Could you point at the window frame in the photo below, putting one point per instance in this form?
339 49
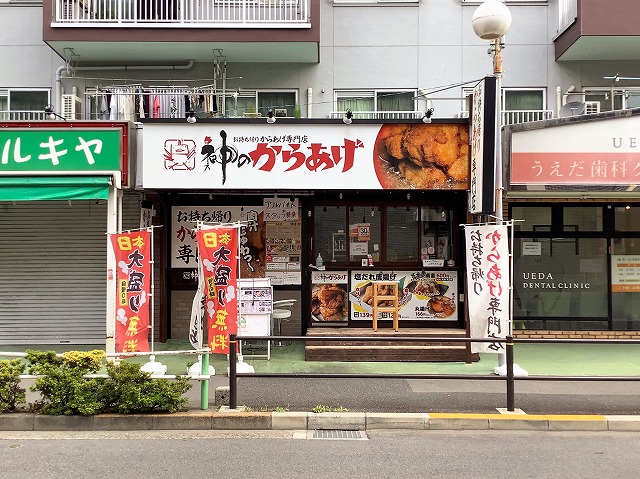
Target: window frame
7 91
382 209
255 95
373 93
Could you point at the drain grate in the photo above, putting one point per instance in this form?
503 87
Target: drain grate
338 434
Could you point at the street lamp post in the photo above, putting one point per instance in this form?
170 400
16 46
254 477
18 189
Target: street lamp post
491 21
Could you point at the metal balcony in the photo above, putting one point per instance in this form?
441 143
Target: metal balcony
182 13
379 115
512 117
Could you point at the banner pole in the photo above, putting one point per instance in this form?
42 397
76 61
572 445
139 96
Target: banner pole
204 384
153 293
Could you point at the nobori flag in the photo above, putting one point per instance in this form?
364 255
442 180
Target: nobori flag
488 283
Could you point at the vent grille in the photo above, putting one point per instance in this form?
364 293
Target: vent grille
338 434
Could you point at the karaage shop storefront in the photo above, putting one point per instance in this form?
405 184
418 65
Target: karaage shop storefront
327 209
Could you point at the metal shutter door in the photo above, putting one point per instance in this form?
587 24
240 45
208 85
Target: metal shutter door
53 272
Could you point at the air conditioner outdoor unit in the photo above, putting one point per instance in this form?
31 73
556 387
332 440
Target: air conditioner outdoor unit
71 107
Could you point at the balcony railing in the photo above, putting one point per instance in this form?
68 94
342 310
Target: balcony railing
380 115
22 115
512 117
188 13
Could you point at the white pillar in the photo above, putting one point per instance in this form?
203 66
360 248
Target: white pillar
112 225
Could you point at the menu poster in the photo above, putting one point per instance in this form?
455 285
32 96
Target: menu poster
329 293
284 251
422 295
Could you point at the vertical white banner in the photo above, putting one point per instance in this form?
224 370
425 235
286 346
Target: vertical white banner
488 281
197 310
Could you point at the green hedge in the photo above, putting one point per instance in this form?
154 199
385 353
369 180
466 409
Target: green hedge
64 390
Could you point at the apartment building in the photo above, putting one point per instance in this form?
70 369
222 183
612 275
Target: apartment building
159 72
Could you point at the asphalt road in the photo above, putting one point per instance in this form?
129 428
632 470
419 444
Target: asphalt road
271 455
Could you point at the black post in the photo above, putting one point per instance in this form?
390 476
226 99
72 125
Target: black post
510 379
233 387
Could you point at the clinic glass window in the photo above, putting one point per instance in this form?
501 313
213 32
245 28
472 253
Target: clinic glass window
330 237
364 233
402 233
534 218
625 300
560 278
627 218
582 218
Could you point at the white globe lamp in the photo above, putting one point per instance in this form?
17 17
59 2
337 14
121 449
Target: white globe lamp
491 20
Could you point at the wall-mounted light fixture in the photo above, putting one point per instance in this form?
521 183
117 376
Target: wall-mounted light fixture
348 117
270 117
191 117
51 113
427 116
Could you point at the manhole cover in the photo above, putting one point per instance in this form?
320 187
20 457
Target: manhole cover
338 434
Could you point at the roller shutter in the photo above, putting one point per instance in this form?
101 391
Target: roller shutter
53 271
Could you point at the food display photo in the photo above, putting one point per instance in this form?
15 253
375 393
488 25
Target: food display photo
438 303
422 295
329 292
424 156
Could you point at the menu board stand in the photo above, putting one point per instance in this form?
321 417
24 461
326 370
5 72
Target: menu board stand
256 304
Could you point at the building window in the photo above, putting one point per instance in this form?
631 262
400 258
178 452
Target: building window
402 232
522 99
258 103
371 102
23 104
519 105
390 234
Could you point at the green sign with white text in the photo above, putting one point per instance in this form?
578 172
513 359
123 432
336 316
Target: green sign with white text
59 151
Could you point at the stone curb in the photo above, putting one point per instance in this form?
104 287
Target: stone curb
229 419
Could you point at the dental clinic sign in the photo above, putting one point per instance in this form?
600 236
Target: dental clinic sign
77 150
600 152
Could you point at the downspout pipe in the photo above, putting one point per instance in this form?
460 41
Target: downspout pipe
60 69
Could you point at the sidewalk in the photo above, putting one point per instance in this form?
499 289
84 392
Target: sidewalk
395 403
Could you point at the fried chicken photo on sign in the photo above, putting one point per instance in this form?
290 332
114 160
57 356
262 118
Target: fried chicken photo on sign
433 156
330 301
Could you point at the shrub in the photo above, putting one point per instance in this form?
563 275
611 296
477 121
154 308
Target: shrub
11 394
129 390
62 386
65 390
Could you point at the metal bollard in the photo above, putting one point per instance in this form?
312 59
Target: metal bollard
233 386
510 378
